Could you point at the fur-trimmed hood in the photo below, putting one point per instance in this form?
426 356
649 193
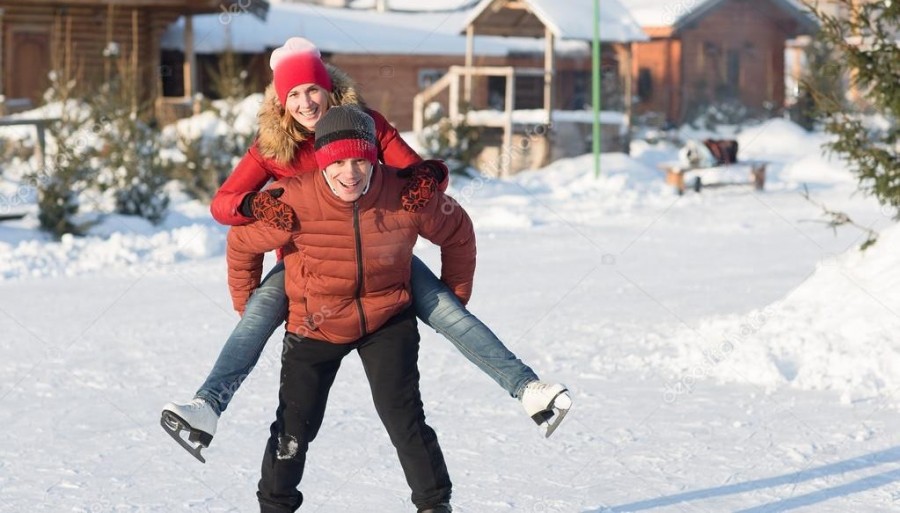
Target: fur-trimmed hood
276 144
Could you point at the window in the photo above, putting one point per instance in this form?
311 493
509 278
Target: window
529 93
645 84
734 69
428 76
580 81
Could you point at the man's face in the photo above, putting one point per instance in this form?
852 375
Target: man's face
349 178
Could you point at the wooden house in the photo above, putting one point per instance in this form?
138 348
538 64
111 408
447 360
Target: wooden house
395 55
391 54
706 52
88 40
521 140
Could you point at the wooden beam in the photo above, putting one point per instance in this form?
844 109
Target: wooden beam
69 50
135 49
110 21
189 5
190 58
3 73
506 151
629 86
549 78
470 60
549 65
454 100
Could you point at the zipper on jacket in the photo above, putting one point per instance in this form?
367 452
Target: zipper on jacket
359 271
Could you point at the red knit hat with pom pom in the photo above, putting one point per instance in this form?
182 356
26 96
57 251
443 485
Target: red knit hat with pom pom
297 62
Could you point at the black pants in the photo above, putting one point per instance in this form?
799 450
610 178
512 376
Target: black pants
308 368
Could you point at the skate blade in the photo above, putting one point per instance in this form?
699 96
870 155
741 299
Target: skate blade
174 426
558 415
550 419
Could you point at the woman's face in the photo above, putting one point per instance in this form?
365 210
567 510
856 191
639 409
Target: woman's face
307 104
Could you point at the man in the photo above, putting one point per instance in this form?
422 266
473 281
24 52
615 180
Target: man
347 281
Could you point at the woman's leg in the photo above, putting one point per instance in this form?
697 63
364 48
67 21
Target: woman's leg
266 310
439 308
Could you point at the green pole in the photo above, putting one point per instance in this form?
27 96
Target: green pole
595 101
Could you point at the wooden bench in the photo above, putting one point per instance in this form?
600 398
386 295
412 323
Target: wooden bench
11 217
40 125
677 175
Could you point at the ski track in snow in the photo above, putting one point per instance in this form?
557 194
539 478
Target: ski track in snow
617 289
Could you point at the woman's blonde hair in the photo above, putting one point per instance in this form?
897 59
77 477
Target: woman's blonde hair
298 132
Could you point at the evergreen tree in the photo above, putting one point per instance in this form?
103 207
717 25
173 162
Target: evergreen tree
454 141
134 171
210 158
867 42
69 170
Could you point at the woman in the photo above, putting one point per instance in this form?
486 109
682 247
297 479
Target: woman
355 243
303 89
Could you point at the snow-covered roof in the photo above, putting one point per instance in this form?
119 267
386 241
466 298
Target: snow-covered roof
339 30
658 13
677 13
394 5
573 19
416 5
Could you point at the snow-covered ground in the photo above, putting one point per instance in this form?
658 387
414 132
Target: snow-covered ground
726 352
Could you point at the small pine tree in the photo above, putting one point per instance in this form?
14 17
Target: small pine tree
134 171
822 77
868 135
69 169
229 79
209 159
142 174
453 141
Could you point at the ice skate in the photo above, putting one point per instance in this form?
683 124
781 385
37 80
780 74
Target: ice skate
547 404
197 418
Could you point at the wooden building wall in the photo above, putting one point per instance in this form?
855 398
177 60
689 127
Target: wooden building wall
734 52
390 82
657 73
38 38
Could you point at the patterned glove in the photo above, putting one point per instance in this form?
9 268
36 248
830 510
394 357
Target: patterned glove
423 181
264 206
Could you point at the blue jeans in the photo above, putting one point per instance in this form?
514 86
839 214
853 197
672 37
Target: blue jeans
435 304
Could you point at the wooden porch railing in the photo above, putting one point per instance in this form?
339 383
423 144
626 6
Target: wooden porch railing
451 80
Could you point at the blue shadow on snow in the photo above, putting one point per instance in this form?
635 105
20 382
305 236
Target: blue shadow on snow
841 467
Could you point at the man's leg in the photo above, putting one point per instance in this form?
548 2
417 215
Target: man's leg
389 357
308 369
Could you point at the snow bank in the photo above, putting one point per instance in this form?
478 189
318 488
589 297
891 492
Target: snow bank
819 168
778 139
566 191
539 117
836 331
137 251
553 195
208 123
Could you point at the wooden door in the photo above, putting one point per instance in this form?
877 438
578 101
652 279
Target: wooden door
27 64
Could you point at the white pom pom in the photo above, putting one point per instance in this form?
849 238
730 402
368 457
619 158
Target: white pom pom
293 46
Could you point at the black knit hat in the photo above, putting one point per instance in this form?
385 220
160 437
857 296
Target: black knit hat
345 132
